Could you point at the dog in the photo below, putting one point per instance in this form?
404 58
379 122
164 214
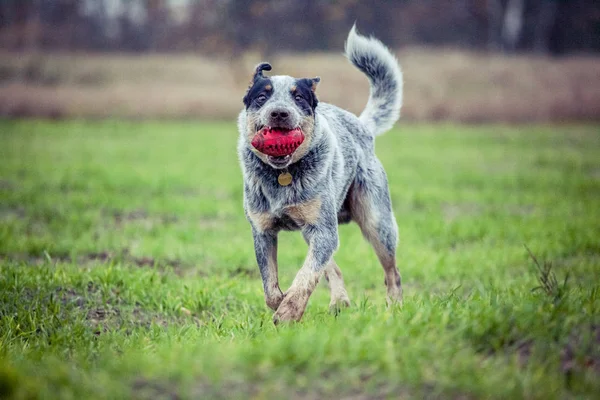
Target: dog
325 175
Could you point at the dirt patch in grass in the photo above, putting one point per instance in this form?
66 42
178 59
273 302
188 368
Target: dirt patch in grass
121 217
184 191
124 257
143 388
594 173
520 210
69 296
245 271
97 315
6 185
582 351
354 391
579 354
453 211
148 220
11 213
104 314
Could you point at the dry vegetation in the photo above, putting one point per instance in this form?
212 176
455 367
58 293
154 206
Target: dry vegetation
440 84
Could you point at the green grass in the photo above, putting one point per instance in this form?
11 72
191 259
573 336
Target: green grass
127 269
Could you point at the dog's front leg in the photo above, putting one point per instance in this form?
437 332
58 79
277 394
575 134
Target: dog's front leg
322 242
265 246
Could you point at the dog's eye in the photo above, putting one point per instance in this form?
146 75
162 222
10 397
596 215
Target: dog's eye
298 97
260 99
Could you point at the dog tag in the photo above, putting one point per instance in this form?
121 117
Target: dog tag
284 179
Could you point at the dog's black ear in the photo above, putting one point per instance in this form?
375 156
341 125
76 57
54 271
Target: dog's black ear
313 88
315 82
309 86
258 72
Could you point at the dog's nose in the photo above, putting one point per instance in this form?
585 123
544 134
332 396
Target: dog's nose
280 114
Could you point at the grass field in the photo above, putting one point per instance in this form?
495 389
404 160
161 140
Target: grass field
127 269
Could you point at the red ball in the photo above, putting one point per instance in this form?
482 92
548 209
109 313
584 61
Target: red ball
277 142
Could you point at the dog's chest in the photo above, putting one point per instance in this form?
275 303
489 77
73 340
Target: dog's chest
287 217
285 223
295 216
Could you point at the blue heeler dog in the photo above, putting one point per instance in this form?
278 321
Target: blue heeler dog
332 177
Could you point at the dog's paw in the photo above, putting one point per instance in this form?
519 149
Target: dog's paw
291 308
337 305
274 300
394 296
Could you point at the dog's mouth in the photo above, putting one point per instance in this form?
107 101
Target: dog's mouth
277 143
279 161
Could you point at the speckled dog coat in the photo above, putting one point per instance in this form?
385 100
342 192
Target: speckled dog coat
335 176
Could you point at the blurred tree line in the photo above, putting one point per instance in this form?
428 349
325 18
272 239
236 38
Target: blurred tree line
227 27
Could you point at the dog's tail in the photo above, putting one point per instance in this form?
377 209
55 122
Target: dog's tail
376 61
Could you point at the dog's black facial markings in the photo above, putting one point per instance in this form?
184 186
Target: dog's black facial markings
260 88
258 93
304 95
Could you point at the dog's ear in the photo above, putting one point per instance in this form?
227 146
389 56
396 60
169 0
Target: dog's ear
309 87
258 71
315 82
258 74
313 88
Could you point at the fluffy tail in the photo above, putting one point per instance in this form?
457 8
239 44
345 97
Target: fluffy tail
381 67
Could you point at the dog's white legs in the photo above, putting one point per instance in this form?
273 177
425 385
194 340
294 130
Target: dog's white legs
335 280
322 243
296 298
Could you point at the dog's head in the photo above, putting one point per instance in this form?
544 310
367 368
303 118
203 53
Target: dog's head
280 116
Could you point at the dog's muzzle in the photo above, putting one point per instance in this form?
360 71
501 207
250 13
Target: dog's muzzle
277 142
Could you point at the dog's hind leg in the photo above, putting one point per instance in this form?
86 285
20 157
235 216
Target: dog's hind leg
339 296
371 208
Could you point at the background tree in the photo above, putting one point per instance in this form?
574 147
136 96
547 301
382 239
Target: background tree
229 27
